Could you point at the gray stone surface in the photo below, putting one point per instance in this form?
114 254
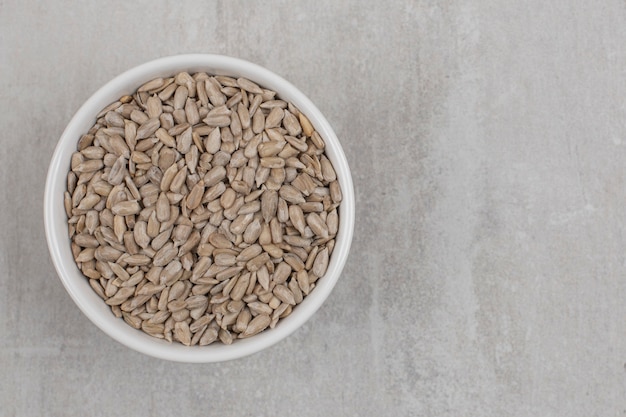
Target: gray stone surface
487 141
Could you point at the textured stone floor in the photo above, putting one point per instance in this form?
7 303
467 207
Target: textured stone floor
487 141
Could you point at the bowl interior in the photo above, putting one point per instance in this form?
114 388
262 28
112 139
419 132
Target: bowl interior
56 221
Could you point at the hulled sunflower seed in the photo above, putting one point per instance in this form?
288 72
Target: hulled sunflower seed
257 325
202 208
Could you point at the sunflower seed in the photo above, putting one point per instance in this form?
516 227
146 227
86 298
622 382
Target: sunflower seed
182 185
182 333
257 325
317 225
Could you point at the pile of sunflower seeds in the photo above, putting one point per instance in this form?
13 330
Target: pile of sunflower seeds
202 208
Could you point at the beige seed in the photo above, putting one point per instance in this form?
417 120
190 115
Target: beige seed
85 255
126 208
168 177
104 253
291 194
240 287
138 260
228 198
290 122
67 204
93 152
152 85
228 273
171 273
253 231
201 267
148 128
258 308
250 252
316 139
311 258
120 296
312 206
274 118
214 192
213 141
263 277
273 250
119 227
284 294
163 208
249 86
255 263
209 336
243 319
297 218
281 273
304 183
256 325
88 202
89 166
134 279
181 234
276 231
302 278
218 117
218 240
261 176
154 107
272 162
133 321
214 176
328 171
176 291
335 192
165 137
294 261
190 244
184 141
251 149
224 259
200 323
270 149
195 196
182 333
191 112
265 238
205 249
269 204
332 222
179 180
164 255
317 225
258 122
321 263
295 290
297 241
213 92
238 226
153 329
180 97
153 226
225 337
282 213
307 128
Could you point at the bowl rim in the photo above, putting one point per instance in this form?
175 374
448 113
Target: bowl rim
56 230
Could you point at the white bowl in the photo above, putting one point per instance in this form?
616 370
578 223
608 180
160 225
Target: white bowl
56 221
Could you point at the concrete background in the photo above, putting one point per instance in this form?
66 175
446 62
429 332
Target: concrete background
487 140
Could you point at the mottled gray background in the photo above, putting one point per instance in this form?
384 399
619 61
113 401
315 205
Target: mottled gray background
487 140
